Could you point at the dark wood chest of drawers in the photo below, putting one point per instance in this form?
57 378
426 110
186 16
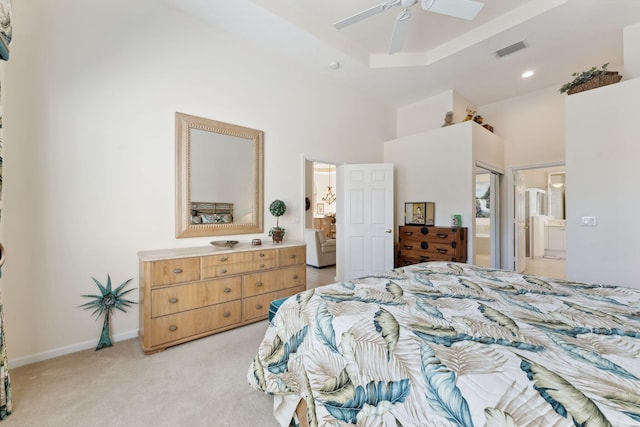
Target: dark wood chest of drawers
419 243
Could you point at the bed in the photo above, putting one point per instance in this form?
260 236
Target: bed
211 213
449 344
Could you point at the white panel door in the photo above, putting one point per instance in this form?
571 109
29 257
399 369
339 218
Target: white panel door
365 220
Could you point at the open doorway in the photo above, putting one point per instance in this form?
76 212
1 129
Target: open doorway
487 221
540 215
319 223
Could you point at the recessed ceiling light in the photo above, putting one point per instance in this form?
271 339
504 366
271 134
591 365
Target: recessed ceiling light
334 65
527 74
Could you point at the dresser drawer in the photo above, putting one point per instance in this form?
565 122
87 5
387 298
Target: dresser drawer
431 234
442 248
257 307
243 267
260 283
194 295
407 258
177 270
238 257
292 256
182 325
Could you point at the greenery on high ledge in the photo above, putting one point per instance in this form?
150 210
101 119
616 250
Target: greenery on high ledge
584 77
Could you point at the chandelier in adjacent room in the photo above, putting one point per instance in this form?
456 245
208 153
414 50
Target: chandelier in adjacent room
329 197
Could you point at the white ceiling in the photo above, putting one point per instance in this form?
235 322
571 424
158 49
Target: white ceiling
440 52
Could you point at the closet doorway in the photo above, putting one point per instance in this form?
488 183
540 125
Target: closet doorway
487 220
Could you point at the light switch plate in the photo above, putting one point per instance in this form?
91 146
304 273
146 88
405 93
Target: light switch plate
589 221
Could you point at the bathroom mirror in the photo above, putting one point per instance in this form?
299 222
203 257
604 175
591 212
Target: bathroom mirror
557 191
219 178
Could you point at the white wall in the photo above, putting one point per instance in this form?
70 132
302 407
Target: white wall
434 166
602 181
90 95
631 37
531 125
430 113
439 166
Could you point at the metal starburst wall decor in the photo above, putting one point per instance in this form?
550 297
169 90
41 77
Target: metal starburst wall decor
105 304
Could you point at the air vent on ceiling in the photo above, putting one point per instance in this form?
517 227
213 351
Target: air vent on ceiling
511 49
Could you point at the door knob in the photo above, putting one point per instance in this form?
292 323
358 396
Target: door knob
388 230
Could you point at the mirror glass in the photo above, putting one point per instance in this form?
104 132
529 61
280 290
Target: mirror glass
557 189
219 178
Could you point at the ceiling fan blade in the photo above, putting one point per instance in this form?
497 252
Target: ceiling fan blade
463 9
399 31
361 15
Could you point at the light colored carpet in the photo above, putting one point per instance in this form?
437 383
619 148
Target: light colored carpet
200 383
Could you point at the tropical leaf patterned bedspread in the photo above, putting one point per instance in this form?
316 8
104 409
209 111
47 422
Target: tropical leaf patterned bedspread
448 344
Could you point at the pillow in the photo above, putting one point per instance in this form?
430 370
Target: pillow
195 219
216 218
225 218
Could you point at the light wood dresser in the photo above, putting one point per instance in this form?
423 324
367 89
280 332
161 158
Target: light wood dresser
189 293
420 243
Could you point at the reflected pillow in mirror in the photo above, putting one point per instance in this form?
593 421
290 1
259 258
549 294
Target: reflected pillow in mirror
195 219
216 219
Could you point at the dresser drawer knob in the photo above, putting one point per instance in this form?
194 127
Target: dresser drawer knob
227 290
173 328
408 233
293 256
173 300
223 259
408 246
295 276
226 314
442 235
261 266
442 251
223 271
258 306
261 255
258 284
177 271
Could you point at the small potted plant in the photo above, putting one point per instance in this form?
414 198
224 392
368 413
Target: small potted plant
590 79
277 209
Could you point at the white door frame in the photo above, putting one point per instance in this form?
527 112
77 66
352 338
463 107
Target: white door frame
510 235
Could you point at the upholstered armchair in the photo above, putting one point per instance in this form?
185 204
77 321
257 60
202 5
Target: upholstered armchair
321 252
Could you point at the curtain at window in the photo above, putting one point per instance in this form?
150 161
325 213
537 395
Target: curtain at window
5 381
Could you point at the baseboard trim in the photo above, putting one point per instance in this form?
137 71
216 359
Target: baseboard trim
27 360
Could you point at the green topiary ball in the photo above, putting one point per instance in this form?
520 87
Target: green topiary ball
277 208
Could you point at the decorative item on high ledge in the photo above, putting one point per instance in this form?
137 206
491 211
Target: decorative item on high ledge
277 209
590 79
105 303
448 119
470 113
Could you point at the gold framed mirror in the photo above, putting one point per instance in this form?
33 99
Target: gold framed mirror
219 178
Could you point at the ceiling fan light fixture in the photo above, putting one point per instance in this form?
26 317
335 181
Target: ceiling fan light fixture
463 9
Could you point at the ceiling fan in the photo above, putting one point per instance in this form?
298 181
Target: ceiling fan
463 9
